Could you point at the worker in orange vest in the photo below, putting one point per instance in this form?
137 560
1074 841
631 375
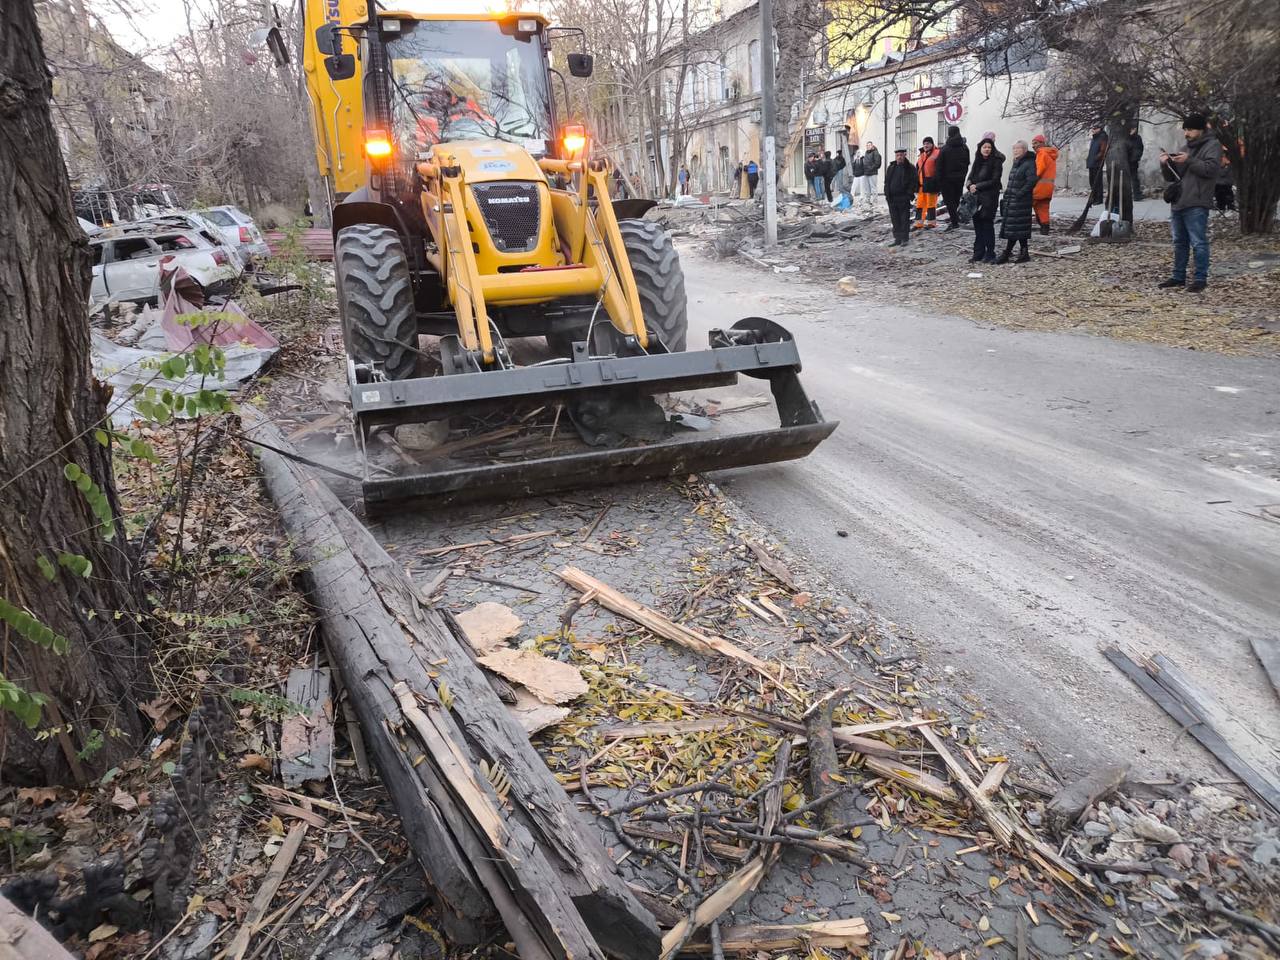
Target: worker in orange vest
1046 170
927 198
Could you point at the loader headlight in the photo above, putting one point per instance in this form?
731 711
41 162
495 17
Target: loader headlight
574 139
377 145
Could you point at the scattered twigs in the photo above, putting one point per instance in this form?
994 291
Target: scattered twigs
280 864
620 832
356 903
707 786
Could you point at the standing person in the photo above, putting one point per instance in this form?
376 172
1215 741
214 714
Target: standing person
927 174
682 177
900 185
1195 169
1095 161
1136 148
984 184
619 184
838 176
870 168
811 176
1016 225
953 165
827 170
1046 172
854 171
1224 192
753 176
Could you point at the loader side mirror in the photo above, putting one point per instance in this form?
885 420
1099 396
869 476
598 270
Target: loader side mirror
328 42
340 66
279 50
580 64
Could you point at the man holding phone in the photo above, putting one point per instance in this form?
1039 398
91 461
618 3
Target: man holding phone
1192 174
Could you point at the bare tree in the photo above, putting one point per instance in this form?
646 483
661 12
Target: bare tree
49 407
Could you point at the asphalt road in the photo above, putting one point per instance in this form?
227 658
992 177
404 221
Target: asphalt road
1018 500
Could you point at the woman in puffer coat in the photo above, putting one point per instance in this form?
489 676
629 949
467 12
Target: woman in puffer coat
1016 225
984 184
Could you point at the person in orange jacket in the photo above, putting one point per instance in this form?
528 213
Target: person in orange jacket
927 198
1046 170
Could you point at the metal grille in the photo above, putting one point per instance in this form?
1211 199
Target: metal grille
512 212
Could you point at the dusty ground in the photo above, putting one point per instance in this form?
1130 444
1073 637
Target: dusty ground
1103 289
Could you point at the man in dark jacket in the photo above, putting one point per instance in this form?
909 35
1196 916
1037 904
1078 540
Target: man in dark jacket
1095 162
953 165
900 186
1135 155
1195 169
827 169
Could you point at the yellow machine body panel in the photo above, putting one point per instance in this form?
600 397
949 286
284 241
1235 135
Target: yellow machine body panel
337 109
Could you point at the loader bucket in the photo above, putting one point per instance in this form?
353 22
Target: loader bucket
755 347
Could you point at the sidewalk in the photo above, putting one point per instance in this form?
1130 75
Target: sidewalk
1070 205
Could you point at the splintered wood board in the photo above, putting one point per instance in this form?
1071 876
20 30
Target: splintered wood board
306 738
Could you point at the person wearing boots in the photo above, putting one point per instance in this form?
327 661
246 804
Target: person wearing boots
1016 224
984 184
870 168
1046 172
900 186
953 164
927 198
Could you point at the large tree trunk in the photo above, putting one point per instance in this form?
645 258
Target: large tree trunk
795 24
49 404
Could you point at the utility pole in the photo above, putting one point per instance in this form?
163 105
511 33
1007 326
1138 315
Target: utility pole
768 118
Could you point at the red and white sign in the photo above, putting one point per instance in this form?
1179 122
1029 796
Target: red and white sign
927 98
953 111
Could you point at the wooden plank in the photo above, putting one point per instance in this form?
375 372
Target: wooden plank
920 780
306 737
670 728
1202 706
706 644
1070 803
280 863
379 634
712 907
852 934
995 776
772 565
1267 650
22 938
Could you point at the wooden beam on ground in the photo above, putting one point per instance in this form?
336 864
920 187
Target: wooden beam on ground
551 875
1183 714
852 935
306 737
22 938
1267 650
912 778
706 644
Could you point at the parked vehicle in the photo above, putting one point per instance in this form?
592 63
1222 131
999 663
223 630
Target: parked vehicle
182 220
238 229
126 266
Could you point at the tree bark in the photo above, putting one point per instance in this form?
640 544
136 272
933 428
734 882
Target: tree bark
49 405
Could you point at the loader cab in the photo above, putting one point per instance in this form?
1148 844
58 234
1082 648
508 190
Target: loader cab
468 78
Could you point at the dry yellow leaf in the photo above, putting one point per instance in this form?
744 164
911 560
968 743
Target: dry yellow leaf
994 882
983 923
992 941
102 932
276 826
890 917
1123 927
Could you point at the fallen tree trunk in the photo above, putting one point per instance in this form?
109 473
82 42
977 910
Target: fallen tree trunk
529 860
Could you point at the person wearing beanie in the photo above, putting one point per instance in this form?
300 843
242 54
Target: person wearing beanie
900 186
927 174
953 165
1192 174
1046 171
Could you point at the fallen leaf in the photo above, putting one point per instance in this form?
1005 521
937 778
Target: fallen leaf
983 923
801 599
1123 927
195 903
255 761
38 796
218 909
102 932
124 801
890 917
276 826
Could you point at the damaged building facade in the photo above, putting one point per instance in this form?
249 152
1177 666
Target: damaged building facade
893 97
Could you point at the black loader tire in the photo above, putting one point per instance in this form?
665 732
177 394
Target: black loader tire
375 299
659 280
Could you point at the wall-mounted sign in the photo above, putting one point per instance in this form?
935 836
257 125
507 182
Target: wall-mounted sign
814 138
927 98
953 111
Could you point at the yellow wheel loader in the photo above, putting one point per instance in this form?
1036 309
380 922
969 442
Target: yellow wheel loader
465 211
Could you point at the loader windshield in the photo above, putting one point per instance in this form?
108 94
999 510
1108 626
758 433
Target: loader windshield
467 80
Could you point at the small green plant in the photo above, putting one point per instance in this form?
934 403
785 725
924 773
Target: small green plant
266 703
